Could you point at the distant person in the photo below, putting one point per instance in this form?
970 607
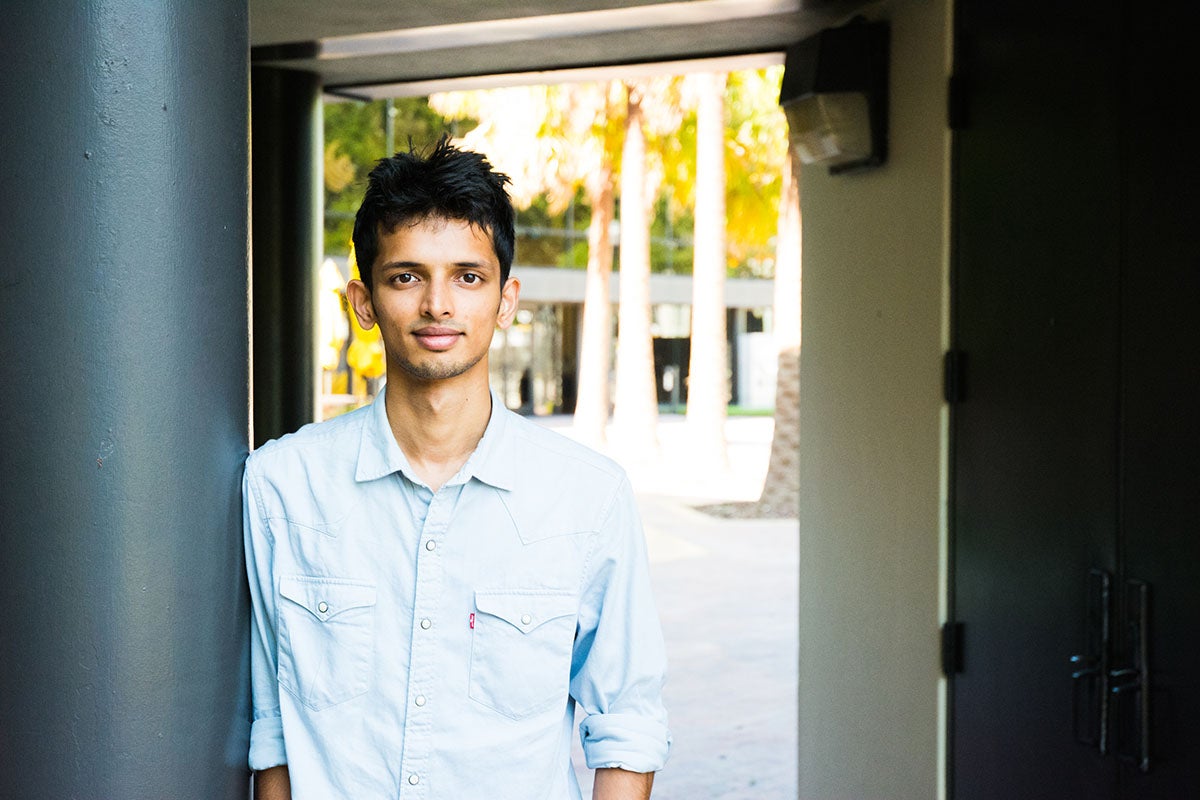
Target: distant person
526 391
437 583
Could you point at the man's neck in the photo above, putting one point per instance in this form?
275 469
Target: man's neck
437 424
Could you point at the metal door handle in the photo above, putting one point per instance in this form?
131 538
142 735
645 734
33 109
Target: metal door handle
1131 683
1131 680
1092 667
1090 674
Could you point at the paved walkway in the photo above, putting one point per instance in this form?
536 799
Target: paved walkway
728 596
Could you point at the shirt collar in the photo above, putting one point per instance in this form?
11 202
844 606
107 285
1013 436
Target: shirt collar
378 453
492 461
494 458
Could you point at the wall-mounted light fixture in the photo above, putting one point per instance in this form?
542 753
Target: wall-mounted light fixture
835 96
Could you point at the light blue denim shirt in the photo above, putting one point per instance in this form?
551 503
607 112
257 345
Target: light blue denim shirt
418 644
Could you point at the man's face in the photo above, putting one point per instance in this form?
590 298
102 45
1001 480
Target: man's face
437 299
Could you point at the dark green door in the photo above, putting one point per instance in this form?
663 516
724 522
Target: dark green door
1075 453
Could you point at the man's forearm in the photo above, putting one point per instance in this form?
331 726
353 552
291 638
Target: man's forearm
621 784
273 784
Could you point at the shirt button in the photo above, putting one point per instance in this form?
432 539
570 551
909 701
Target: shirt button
413 779
420 700
526 619
322 606
430 545
426 624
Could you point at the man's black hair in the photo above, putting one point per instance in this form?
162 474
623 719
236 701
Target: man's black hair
448 183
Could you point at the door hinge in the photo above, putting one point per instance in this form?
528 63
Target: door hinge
956 103
952 659
954 376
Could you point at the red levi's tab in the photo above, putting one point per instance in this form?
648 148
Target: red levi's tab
472 621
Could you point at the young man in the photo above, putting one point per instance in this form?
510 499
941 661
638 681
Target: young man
436 582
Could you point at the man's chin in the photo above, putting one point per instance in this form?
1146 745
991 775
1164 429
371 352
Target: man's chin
431 371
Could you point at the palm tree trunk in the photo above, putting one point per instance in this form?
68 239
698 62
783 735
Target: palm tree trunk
708 368
781 489
595 356
635 406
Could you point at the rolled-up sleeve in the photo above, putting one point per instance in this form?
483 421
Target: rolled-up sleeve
266 731
619 664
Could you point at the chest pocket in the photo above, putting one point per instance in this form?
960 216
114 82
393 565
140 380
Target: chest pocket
521 650
326 639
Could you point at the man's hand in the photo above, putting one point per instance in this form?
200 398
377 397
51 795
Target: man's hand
621 784
273 784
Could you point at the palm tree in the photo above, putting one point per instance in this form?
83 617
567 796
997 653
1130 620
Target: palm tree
635 405
708 373
595 345
781 489
597 142
760 175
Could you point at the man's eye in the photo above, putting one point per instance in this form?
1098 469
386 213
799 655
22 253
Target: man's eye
403 277
470 278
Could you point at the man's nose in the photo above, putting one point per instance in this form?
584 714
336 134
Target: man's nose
438 299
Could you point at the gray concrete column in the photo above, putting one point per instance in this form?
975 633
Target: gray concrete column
287 230
123 399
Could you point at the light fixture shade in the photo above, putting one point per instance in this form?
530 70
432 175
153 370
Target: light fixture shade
834 94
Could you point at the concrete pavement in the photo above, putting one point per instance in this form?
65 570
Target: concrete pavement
728 596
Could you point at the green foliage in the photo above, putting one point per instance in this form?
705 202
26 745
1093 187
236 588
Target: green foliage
742 411
578 218
549 239
671 237
536 244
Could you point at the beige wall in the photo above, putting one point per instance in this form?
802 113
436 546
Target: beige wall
872 439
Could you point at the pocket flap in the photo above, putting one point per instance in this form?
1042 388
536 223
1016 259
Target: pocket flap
525 611
325 598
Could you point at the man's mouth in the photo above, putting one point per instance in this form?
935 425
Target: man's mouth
436 337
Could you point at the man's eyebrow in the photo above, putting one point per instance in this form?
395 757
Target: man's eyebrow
419 264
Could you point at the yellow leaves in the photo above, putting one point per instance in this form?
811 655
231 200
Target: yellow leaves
339 168
756 149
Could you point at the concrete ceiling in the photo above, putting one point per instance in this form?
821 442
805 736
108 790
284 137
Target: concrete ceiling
376 48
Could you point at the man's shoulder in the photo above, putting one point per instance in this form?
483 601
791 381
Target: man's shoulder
561 485
559 447
316 440
555 451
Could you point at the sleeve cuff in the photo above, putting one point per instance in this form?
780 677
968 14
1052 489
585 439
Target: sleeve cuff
266 743
627 741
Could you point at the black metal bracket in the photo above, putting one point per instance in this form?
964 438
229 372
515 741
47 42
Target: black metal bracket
952 649
954 376
956 103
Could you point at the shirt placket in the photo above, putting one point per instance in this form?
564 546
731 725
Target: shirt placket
421 702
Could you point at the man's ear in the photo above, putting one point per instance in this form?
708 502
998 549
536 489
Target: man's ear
359 297
509 297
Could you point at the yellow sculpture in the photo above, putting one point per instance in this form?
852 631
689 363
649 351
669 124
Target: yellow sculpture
365 355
